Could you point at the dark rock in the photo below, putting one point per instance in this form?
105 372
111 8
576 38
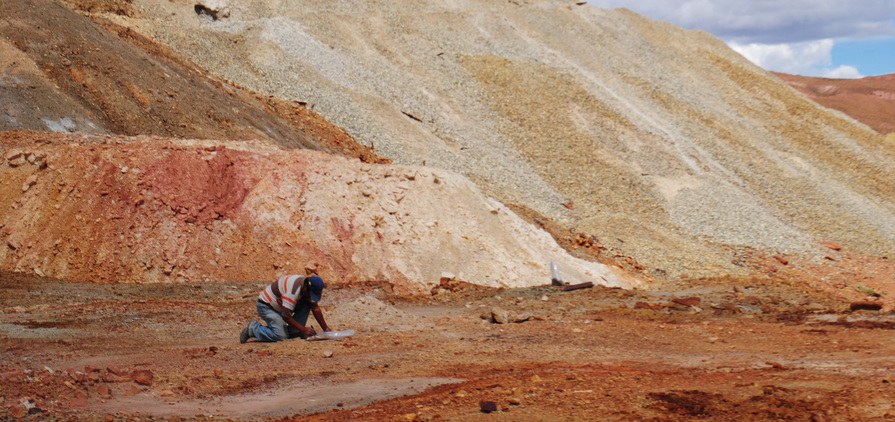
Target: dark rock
487 406
578 286
866 306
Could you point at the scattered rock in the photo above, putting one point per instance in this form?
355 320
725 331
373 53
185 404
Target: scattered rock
327 353
832 245
689 301
133 391
214 10
143 377
116 378
500 315
776 365
17 411
865 306
15 158
29 182
487 406
35 157
815 307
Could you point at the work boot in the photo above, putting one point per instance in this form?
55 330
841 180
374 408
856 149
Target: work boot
245 335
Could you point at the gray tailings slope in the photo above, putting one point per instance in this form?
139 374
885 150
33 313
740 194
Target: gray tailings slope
661 142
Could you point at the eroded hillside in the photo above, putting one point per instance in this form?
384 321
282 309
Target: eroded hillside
109 209
99 78
681 161
680 165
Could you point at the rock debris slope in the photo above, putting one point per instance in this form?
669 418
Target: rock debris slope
661 143
85 78
158 209
148 209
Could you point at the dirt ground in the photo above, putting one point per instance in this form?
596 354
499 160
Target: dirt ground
713 350
795 344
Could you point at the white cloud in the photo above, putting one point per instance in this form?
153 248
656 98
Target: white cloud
771 21
794 36
812 58
842 72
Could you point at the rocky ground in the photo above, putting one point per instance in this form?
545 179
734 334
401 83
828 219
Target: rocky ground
693 148
700 350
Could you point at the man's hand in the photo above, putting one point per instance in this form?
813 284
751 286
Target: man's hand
310 332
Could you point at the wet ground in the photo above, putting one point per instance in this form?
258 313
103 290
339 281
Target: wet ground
725 350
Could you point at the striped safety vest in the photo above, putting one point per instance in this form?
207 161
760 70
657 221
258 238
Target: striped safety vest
289 288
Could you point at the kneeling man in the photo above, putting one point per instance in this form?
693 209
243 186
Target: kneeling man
284 305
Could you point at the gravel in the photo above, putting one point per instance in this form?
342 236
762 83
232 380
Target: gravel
661 142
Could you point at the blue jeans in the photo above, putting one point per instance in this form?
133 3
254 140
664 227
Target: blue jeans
277 329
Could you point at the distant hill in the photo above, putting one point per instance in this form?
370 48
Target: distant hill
869 100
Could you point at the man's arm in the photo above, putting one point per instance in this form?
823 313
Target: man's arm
287 316
318 315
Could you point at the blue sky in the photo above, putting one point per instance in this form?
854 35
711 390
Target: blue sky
828 38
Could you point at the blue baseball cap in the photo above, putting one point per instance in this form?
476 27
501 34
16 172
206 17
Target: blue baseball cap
315 288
